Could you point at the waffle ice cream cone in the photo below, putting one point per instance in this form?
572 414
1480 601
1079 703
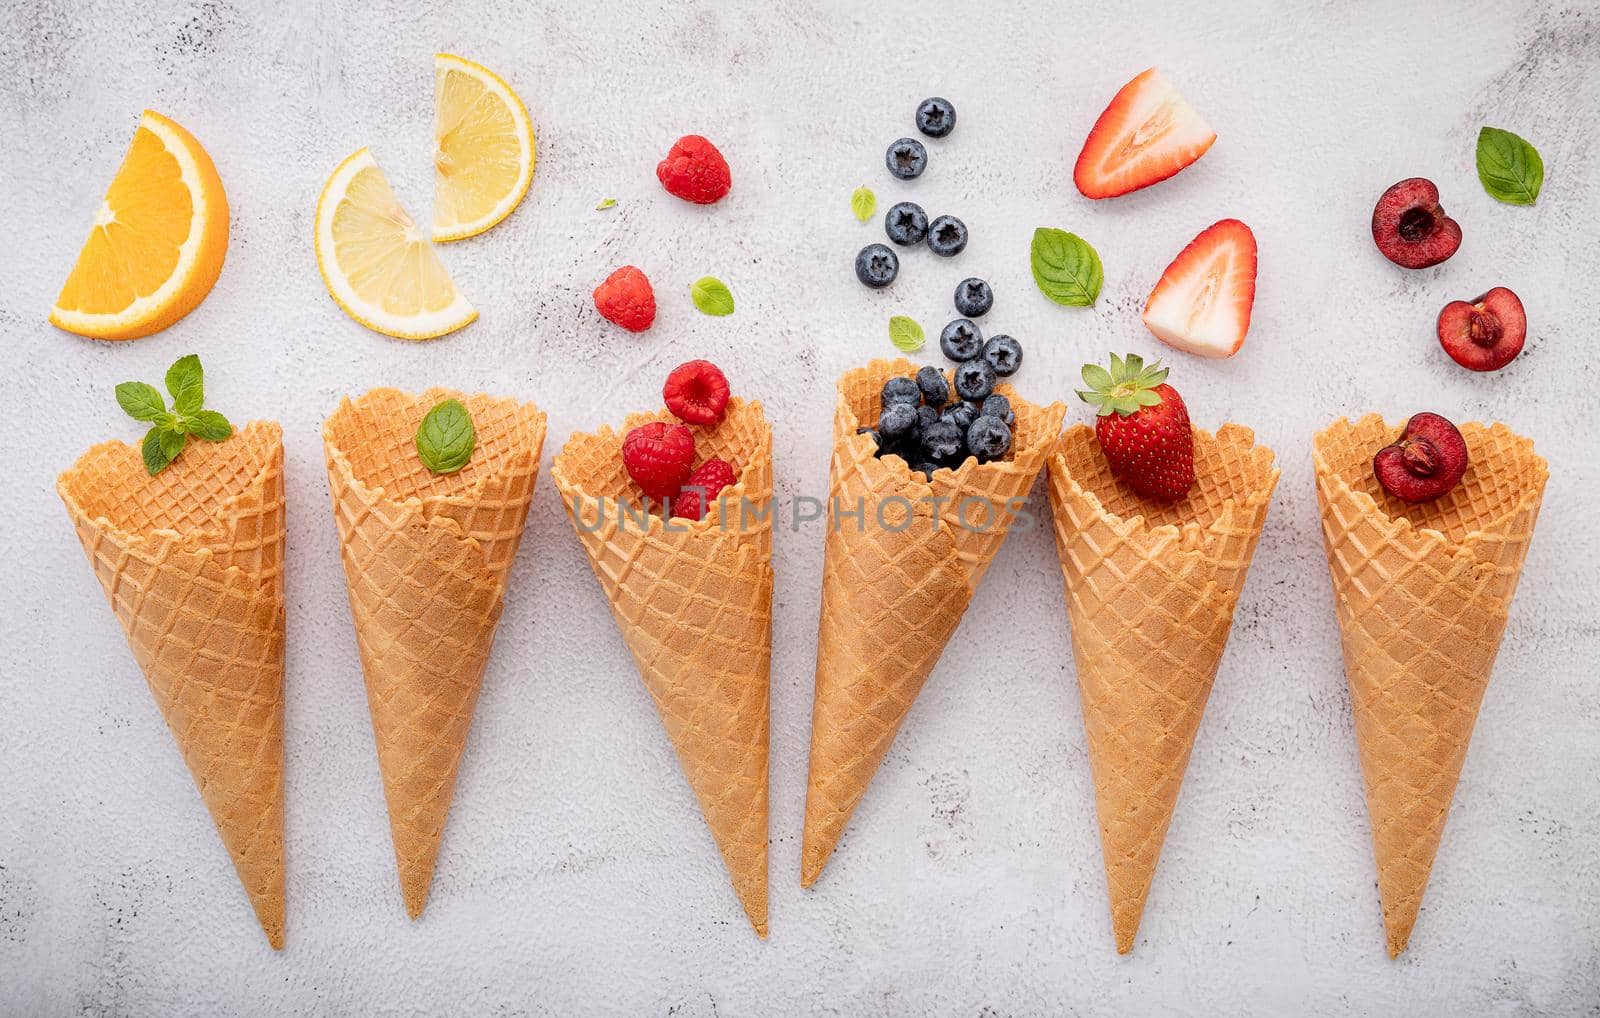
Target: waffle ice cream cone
426 559
1422 593
894 587
1151 588
693 602
192 562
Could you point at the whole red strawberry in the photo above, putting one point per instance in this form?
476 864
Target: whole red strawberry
658 456
696 392
702 489
1143 427
625 299
695 171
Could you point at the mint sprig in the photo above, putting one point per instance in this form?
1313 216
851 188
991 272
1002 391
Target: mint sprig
712 296
445 437
1509 167
1066 267
170 429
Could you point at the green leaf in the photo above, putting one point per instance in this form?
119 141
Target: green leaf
186 383
1509 167
712 296
905 334
1097 377
172 442
606 203
1065 267
209 425
154 451
863 203
445 438
140 401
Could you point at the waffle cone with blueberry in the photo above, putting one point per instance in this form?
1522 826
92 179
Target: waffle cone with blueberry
1151 587
192 562
693 601
895 585
1422 592
426 560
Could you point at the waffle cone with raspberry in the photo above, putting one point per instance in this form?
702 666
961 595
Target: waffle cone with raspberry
1151 588
426 559
192 562
693 601
895 586
1422 593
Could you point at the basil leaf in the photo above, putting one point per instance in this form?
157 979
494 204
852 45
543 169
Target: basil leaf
863 203
712 296
446 437
1065 267
185 382
140 401
1509 168
209 425
905 334
154 452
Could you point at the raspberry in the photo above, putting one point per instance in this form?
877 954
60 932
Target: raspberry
695 171
625 298
702 489
658 457
696 392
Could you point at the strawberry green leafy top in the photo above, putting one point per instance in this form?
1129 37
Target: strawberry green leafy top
1129 385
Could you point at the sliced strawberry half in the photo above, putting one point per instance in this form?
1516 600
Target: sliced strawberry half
1202 303
1148 133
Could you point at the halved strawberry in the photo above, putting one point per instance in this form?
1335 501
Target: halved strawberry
1202 302
1148 133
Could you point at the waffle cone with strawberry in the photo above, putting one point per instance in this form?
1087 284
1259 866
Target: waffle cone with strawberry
895 587
692 593
426 559
1423 580
1156 522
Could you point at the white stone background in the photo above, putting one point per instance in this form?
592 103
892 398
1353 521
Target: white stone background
576 874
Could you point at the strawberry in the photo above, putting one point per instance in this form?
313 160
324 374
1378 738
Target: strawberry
695 171
696 392
702 489
626 299
1202 302
658 456
1147 134
1143 427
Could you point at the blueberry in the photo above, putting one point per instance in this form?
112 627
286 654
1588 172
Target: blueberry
974 298
901 390
897 420
1004 354
999 406
975 379
936 117
961 340
942 442
906 224
926 415
961 414
988 438
906 158
947 236
934 386
876 266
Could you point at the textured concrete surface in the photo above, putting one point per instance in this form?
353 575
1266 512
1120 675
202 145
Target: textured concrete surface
576 875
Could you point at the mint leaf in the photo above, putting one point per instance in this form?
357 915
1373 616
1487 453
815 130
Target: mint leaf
606 203
711 295
209 425
1065 267
172 442
140 401
905 333
445 438
155 454
863 203
185 382
1509 168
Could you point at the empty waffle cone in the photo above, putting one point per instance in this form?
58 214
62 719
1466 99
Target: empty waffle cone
895 584
1151 588
192 562
426 558
1422 593
693 601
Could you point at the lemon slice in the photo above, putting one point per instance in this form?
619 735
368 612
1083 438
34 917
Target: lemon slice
157 243
484 156
376 262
